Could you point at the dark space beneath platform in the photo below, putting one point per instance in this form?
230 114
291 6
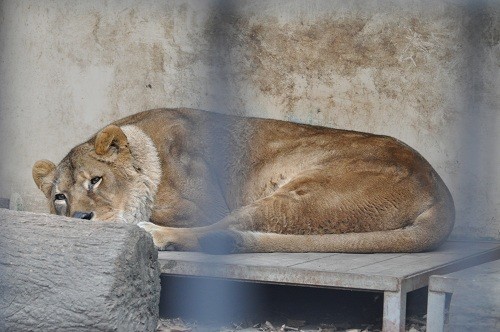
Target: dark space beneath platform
230 303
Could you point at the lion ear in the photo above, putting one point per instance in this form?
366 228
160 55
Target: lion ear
110 138
43 173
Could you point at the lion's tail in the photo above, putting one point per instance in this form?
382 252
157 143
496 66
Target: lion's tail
428 231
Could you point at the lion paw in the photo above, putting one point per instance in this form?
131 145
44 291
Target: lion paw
161 238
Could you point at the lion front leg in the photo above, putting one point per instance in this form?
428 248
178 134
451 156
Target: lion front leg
168 238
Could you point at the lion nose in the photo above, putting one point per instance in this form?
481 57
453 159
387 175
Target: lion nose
83 215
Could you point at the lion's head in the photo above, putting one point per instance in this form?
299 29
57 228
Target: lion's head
113 177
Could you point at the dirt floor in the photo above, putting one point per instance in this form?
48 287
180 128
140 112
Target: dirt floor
203 305
414 324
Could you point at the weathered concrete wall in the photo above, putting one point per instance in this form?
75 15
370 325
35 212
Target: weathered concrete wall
426 72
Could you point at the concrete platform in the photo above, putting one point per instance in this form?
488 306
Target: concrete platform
393 274
475 299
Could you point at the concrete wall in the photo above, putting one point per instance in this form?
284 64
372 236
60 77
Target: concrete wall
426 72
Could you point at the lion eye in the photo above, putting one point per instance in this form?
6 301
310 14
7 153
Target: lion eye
60 197
96 179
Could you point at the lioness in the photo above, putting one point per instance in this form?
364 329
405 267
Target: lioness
224 184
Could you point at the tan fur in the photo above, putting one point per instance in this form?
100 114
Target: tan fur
194 178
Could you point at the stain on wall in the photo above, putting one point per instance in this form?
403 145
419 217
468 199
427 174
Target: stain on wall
426 72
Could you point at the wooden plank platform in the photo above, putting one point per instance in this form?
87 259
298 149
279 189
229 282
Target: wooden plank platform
475 304
393 274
